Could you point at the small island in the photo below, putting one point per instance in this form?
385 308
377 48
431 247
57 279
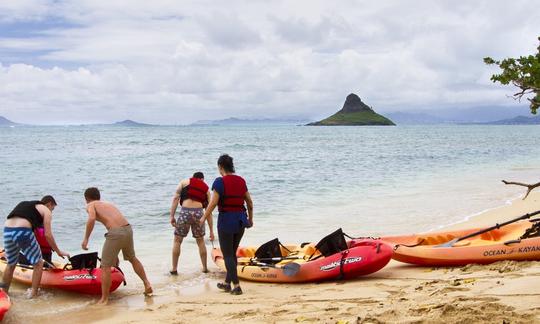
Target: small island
354 113
519 120
130 123
6 122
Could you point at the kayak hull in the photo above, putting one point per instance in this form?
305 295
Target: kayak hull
496 245
363 257
83 281
5 303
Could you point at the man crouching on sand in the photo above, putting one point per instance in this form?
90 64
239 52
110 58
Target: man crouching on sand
119 237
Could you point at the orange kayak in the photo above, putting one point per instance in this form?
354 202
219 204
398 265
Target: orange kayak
495 245
5 303
361 258
85 281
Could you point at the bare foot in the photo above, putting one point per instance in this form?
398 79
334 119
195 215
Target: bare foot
30 294
148 291
205 270
102 302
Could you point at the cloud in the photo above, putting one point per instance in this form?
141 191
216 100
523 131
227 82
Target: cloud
166 62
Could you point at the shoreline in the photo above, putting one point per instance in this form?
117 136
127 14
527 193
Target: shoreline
503 291
489 217
471 217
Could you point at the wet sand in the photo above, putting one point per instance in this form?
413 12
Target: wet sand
503 292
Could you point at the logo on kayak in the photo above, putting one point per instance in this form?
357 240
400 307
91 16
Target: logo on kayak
335 264
85 276
264 275
525 249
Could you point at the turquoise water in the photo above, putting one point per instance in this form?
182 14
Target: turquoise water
305 181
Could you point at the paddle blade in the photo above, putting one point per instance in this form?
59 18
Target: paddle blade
448 244
291 269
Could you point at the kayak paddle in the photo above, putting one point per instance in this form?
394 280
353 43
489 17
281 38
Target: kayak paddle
275 258
289 269
497 226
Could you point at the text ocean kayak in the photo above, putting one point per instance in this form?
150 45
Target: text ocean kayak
362 257
496 245
85 281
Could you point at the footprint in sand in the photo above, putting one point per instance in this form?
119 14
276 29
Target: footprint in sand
244 314
280 312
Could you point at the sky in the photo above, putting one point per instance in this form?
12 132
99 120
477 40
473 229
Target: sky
175 62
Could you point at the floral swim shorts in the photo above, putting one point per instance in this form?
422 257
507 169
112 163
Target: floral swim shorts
190 217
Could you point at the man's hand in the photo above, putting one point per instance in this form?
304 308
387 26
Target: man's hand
62 254
202 221
212 236
173 221
250 221
84 245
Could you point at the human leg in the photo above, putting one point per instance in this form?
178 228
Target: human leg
105 285
227 248
109 259
12 251
198 232
181 231
236 238
236 242
7 277
176 253
128 251
202 253
139 270
31 250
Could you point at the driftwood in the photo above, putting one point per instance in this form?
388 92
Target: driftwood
530 187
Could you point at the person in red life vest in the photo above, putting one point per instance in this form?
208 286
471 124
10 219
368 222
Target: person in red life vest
19 237
193 195
231 196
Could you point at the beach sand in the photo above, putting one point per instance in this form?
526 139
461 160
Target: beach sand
503 292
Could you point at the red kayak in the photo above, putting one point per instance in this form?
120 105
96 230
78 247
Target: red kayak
303 263
5 303
84 281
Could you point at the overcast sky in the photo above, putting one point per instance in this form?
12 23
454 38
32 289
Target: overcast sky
178 61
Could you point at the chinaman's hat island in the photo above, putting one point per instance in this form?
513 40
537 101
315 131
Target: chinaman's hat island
354 113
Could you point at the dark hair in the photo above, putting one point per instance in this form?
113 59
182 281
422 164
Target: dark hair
198 175
48 199
226 162
92 193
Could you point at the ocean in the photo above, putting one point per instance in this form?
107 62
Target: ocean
305 181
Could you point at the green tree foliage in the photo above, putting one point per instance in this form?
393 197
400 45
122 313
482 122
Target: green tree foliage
522 72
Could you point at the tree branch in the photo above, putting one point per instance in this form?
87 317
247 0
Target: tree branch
530 187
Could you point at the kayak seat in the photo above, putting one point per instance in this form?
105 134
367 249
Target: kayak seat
438 239
311 250
494 235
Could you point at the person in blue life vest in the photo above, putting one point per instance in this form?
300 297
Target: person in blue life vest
26 220
192 195
230 194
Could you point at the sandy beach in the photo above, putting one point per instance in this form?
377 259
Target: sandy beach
379 119
503 292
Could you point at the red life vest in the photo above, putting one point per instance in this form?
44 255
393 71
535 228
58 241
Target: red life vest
39 232
197 190
234 190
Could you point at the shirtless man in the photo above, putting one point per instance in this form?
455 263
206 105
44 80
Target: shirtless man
119 237
19 237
